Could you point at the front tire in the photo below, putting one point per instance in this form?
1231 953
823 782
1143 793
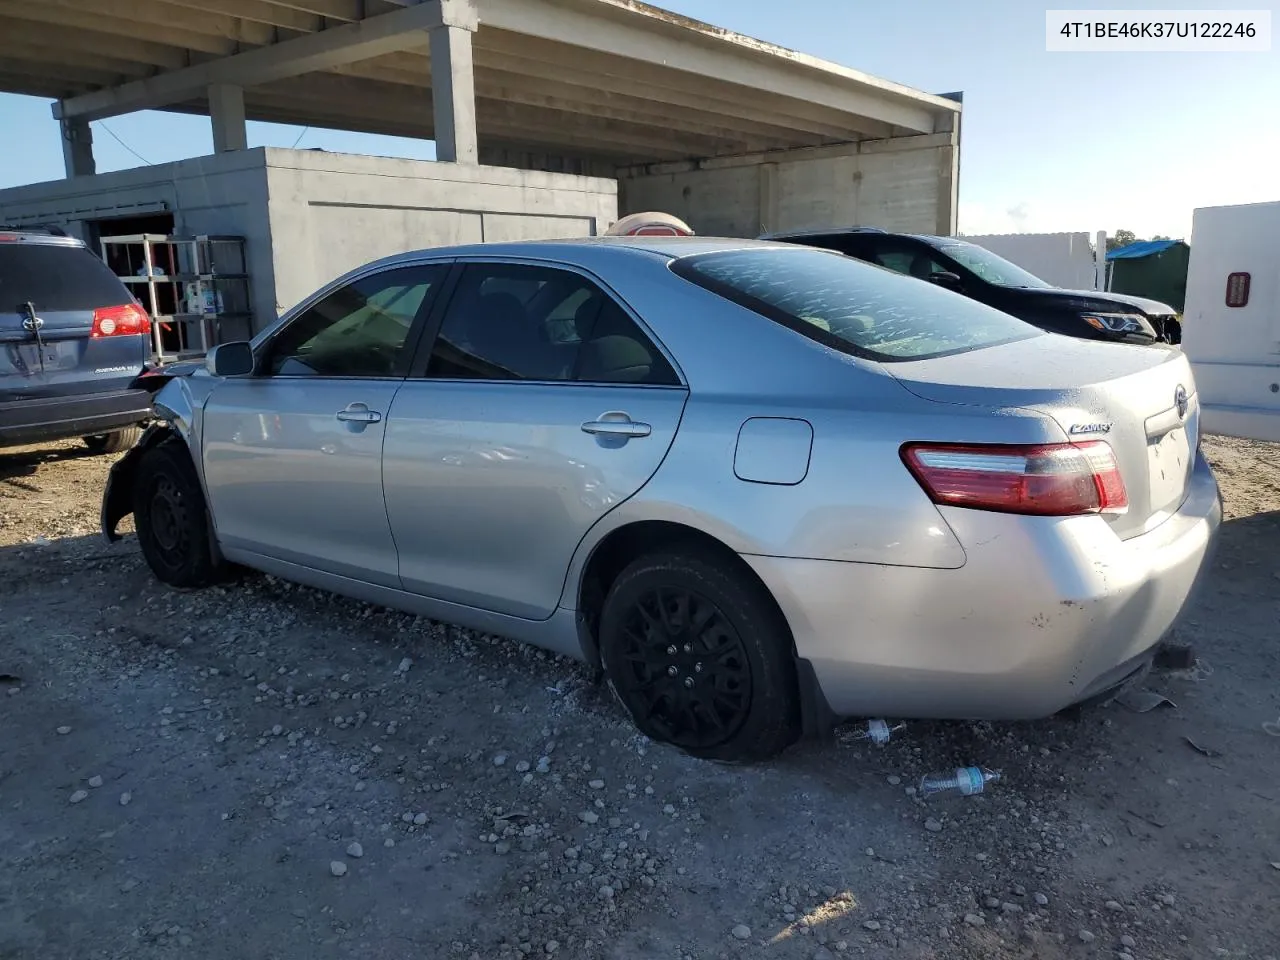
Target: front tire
118 441
700 657
171 518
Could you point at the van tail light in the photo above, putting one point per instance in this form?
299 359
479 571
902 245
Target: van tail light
126 320
1047 480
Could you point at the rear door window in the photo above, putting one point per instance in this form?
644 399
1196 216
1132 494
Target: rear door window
852 307
56 278
511 321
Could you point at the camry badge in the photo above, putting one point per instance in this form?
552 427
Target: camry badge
1088 428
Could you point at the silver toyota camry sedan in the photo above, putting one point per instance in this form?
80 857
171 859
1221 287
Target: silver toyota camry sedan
761 486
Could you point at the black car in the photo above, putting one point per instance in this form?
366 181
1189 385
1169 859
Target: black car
978 273
72 339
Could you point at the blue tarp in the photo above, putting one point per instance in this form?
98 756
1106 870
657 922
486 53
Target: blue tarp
1143 248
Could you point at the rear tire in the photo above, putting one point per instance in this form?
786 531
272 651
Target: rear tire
118 441
699 657
171 518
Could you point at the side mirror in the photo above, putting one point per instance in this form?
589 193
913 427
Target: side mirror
230 359
950 281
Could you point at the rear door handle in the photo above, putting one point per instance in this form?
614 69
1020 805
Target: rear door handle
358 413
616 424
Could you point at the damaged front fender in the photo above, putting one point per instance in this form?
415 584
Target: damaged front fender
117 498
175 409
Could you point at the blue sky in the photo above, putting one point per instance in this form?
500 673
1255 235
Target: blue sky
1050 141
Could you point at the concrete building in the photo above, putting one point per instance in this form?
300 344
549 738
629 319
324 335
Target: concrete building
551 118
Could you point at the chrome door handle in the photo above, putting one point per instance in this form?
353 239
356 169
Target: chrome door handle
616 424
358 413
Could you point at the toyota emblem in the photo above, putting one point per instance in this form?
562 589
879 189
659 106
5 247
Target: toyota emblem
1180 401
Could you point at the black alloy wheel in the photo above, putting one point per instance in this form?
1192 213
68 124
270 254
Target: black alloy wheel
685 667
700 656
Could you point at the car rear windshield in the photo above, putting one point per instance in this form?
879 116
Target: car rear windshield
850 305
56 278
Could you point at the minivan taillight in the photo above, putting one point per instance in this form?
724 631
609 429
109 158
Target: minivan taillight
1048 480
126 320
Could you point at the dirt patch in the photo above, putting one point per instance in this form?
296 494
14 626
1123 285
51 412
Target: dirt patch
183 774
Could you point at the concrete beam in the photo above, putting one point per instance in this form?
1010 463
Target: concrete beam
397 115
793 76
576 129
257 11
77 149
226 114
589 92
345 10
273 107
18 35
85 23
307 54
204 20
31 76
37 55
544 61
354 96
509 89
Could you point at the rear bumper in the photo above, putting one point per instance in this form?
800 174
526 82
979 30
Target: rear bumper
1045 613
38 421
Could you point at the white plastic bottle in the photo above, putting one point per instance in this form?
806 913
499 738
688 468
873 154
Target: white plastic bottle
965 781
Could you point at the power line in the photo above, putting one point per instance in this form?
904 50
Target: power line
300 136
123 144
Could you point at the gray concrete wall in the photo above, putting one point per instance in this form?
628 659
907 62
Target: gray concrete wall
905 184
333 212
225 193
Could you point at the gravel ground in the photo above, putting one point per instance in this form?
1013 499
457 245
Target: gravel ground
262 770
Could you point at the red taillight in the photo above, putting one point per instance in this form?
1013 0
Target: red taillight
1052 480
126 320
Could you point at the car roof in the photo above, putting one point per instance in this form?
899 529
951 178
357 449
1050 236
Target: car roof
568 249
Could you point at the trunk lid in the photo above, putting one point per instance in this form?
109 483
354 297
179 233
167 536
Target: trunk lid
1139 399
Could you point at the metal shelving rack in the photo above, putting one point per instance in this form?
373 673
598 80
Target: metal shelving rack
189 286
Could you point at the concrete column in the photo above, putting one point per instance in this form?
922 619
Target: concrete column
226 114
453 84
77 148
769 201
949 171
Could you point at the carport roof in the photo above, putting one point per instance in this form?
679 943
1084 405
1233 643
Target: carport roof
610 79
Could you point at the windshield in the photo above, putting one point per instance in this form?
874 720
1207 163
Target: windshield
989 267
850 305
